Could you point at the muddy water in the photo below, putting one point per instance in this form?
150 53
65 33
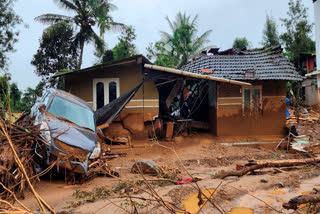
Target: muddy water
275 197
191 202
241 210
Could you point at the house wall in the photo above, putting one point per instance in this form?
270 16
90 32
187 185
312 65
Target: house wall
81 85
311 92
270 120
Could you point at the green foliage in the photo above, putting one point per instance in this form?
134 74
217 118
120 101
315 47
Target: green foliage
161 55
8 35
30 96
19 102
240 43
90 196
297 38
88 14
107 56
15 97
125 47
4 92
10 95
56 52
177 47
270 34
28 99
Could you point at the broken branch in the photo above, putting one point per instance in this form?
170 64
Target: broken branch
301 199
251 166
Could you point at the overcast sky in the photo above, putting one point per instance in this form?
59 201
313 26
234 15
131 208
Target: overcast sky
227 18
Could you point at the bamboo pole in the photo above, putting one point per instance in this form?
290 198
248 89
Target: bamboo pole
198 76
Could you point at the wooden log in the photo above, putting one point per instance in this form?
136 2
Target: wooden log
301 199
174 92
169 131
251 166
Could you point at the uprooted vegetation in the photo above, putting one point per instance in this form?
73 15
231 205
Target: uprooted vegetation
23 162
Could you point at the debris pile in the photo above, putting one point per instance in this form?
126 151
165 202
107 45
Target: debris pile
307 117
18 170
303 133
313 198
23 160
25 139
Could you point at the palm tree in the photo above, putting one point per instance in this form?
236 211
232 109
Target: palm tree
183 42
88 14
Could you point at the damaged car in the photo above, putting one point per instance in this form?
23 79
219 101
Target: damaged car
68 128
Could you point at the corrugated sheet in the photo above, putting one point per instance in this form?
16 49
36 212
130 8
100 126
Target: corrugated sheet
257 64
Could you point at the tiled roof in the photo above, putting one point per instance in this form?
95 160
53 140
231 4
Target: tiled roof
257 64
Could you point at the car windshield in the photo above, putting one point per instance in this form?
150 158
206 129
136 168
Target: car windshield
73 112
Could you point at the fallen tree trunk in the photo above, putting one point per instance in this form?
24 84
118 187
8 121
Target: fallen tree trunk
301 199
251 166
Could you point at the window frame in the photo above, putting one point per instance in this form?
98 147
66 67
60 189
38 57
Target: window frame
251 88
105 82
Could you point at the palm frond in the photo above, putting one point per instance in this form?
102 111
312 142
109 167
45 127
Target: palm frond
98 42
172 27
66 4
77 3
100 8
165 37
107 23
117 26
53 18
77 39
180 18
195 20
201 40
112 7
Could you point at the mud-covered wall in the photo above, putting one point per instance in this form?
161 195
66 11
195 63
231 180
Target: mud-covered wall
269 119
145 101
311 92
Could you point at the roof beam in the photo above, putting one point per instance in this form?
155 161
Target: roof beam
193 75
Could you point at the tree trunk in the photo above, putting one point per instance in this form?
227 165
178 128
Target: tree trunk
81 54
251 166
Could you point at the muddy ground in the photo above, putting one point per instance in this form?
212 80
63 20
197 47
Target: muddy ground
200 155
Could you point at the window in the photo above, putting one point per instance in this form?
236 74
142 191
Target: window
100 94
251 100
105 90
112 91
246 100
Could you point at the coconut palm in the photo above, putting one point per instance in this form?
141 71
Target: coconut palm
88 14
183 43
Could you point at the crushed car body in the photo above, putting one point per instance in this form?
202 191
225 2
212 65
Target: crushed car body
68 127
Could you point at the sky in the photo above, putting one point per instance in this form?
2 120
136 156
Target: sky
227 18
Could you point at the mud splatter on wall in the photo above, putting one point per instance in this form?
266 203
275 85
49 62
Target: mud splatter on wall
256 110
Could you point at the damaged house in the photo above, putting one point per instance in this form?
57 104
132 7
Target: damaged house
101 84
226 93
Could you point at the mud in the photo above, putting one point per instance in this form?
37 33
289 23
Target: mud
201 156
265 119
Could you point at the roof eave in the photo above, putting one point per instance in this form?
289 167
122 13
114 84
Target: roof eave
312 73
128 60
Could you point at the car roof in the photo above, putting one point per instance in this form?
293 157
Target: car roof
71 98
